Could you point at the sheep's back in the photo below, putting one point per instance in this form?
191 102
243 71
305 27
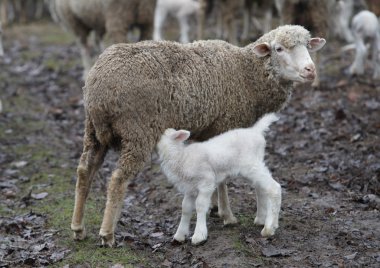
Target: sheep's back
166 84
75 14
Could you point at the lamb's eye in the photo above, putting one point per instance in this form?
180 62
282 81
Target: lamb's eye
279 49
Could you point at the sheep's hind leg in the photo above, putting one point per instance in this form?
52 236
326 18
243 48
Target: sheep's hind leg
268 199
91 160
224 209
129 164
202 204
188 203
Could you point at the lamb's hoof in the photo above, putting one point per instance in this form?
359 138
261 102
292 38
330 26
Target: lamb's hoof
198 239
231 221
175 242
259 221
266 232
107 240
80 234
180 238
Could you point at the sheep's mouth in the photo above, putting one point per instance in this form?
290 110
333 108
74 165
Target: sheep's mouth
309 78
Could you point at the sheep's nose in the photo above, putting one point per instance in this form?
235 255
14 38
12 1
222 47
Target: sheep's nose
310 69
309 72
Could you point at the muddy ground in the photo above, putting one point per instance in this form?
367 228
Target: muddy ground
325 152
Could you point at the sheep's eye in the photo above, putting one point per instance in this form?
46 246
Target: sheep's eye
279 49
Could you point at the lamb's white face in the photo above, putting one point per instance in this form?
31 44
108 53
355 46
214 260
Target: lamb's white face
294 64
170 138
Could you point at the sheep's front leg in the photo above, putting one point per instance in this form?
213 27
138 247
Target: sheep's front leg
188 203
202 205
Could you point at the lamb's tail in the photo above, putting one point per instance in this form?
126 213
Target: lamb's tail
262 125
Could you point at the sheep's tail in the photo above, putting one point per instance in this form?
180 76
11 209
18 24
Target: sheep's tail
262 125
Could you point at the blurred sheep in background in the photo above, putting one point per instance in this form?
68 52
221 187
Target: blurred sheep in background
181 9
112 17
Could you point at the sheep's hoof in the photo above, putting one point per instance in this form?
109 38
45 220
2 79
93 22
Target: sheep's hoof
259 221
266 232
230 221
80 234
107 240
198 240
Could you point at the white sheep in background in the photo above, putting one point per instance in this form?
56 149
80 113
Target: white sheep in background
340 14
113 18
181 9
198 168
365 26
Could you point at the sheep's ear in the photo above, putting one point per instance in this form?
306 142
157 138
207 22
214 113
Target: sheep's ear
316 44
181 135
262 50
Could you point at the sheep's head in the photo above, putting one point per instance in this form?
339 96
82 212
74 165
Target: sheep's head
170 141
288 48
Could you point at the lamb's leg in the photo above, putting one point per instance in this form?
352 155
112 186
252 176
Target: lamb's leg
131 161
184 26
376 56
188 204
246 19
85 54
202 205
91 160
159 18
268 199
224 209
357 66
201 19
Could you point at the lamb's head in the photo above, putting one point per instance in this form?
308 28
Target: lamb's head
288 47
171 141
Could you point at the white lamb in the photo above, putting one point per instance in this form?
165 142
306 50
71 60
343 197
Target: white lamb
365 26
181 9
198 168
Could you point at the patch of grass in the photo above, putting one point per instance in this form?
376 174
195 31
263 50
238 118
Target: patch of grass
247 221
48 33
86 252
28 55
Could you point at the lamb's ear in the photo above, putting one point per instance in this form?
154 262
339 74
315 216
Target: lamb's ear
181 135
262 50
315 44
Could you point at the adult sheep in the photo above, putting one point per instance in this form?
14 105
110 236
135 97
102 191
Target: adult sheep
135 91
112 17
